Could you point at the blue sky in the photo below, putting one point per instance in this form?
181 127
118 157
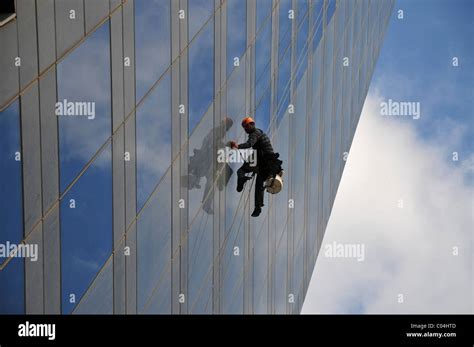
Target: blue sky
415 64
409 250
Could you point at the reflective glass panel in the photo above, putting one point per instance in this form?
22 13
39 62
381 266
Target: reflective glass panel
84 103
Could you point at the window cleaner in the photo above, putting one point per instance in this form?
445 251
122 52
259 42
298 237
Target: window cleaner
268 167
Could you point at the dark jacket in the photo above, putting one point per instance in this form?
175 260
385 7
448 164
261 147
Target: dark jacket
259 141
268 162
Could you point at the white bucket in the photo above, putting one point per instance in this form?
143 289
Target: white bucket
274 185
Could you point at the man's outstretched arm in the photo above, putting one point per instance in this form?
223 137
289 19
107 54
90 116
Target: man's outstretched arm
253 137
250 142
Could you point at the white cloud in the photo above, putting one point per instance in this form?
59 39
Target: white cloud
407 250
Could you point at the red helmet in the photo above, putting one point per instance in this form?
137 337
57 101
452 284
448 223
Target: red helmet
247 120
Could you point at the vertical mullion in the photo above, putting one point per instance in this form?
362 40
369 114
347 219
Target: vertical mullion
118 166
220 68
183 129
308 161
273 113
249 111
128 35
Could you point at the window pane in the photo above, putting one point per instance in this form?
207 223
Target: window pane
202 182
11 277
99 297
263 113
10 176
263 46
153 129
317 27
281 274
280 229
232 265
327 111
152 42
200 263
330 10
302 13
264 8
302 49
298 157
260 234
297 276
160 301
154 249
280 212
285 27
202 163
86 229
201 75
236 31
199 12
298 172
283 91
84 93
315 172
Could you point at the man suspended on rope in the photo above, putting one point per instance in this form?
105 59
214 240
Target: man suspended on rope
267 164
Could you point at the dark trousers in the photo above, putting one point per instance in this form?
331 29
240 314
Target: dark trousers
259 181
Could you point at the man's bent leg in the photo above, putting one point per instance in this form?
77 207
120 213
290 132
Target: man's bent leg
241 178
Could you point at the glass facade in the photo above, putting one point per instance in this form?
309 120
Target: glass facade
12 274
140 216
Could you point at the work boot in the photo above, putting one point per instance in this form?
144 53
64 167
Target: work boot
256 212
241 183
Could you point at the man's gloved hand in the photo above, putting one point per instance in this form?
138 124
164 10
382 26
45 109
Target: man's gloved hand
233 145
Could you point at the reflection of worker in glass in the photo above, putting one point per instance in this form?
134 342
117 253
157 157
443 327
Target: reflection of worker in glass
267 162
201 164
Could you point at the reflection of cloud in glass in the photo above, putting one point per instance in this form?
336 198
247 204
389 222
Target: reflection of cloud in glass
86 230
84 75
153 242
99 297
235 92
201 259
236 31
263 46
199 11
201 75
152 42
153 128
86 264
